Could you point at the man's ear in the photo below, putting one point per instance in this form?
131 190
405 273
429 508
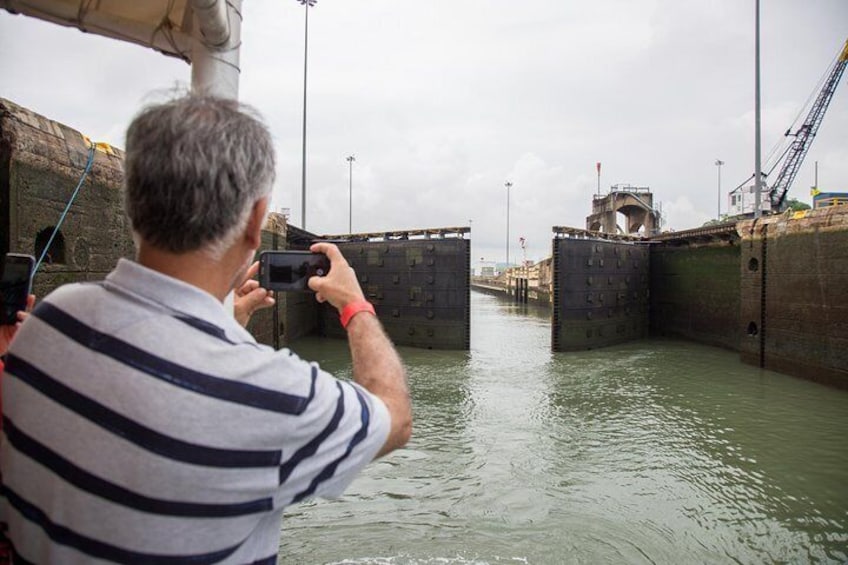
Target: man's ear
253 231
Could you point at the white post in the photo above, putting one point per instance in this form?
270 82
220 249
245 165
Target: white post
508 185
350 161
719 163
216 38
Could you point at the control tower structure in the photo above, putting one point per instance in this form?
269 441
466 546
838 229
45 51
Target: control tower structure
635 203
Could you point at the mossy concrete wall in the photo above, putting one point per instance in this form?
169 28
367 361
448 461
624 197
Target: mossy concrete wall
773 289
41 162
794 304
695 291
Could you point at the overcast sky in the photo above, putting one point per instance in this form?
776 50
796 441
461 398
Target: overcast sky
442 102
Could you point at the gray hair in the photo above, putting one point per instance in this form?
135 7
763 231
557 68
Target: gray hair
195 166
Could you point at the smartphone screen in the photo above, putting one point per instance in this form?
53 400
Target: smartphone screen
15 285
289 271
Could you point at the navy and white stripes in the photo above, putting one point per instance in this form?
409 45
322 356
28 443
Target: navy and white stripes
176 374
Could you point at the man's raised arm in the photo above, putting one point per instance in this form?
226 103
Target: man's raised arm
376 363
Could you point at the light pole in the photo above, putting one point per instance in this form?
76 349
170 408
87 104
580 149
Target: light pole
350 160
718 164
508 185
306 4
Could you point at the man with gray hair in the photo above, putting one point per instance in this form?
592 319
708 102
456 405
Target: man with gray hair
141 422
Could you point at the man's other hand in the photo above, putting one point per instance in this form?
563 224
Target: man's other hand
250 297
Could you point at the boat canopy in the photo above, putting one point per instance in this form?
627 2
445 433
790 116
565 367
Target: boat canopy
204 33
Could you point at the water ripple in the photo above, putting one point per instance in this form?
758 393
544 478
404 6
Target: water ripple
651 452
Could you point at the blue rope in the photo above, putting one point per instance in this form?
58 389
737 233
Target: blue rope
67 207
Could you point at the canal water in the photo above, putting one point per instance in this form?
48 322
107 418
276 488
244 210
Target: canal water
652 452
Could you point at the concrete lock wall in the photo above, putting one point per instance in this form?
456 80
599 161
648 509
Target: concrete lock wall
794 308
695 291
41 162
419 288
600 293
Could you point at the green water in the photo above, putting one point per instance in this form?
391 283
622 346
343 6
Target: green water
652 452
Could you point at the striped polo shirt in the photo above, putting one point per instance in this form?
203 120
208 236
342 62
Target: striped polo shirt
142 424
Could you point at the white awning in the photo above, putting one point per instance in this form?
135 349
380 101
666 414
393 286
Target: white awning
164 25
203 32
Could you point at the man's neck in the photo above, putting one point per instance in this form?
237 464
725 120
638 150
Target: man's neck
216 277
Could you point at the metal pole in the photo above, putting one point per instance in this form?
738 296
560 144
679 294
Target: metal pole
216 40
719 163
598 166
303 164
758 167
350 161
507 185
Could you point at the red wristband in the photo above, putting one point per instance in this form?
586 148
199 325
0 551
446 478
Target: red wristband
354 308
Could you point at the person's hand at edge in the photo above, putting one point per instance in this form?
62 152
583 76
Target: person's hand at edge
7 332
249 297
340 286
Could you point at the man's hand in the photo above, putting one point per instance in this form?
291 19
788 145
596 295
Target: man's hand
340 286
7 332
250 297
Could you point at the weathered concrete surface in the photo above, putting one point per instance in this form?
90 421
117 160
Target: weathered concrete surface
530 283
535 282
41 162
794 310
695 290
635 203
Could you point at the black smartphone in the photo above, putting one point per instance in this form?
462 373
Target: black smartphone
289 271
15 285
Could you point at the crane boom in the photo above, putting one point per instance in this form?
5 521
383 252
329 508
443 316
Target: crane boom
805 133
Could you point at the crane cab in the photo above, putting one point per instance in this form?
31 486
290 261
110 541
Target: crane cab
741 202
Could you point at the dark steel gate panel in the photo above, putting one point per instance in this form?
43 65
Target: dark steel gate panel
600 293
419 287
